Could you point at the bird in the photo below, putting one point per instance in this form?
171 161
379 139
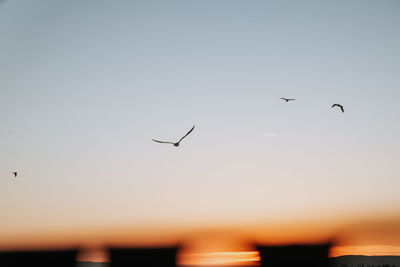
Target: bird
176 143
338 105
15 174
287 99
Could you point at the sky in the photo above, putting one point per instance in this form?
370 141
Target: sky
86 85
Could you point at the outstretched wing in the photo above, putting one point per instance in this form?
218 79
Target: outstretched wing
162 142
340 106
287 99
186 134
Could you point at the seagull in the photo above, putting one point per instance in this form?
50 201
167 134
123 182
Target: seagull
15 174
287 99
338 105
177 143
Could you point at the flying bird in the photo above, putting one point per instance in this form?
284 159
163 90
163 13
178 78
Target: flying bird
177 143
15 174
338 105
287 99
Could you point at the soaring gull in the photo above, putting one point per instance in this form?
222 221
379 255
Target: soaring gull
176 143
287 99
338 105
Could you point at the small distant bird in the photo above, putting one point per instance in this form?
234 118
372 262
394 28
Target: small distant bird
287 99
177 143
338 105
15 174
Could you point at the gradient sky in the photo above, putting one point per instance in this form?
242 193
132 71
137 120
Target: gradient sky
85 85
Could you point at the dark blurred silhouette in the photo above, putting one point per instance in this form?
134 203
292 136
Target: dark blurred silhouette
294 255
54 258
143 257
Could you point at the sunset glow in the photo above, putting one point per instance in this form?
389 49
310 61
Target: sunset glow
231 258
365 250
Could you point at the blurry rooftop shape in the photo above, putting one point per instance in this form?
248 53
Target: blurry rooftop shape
43 258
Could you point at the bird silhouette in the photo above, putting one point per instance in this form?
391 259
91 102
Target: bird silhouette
287 99
176 143
338 105
15 174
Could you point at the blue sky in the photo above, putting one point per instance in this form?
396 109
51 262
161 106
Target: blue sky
84 86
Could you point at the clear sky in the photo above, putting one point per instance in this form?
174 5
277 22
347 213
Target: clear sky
86 85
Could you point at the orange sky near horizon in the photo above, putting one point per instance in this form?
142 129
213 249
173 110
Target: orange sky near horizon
222 245
246 258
